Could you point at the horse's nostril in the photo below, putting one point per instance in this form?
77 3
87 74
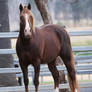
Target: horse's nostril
25 30
27 36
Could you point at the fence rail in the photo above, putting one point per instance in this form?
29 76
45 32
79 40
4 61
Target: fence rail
45 68
73 33
75 49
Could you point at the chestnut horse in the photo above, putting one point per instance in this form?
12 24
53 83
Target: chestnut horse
43 45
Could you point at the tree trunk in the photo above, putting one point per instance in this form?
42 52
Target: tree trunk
42 6
6 61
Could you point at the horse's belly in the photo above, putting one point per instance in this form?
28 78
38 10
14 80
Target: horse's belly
50 57
52 50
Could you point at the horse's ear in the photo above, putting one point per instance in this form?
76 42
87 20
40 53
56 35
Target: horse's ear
21 7
29 6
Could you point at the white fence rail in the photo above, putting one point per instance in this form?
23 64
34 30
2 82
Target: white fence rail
15 34
75 49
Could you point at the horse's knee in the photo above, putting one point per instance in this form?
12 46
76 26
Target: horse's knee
36 82
56 75
26 81
56 78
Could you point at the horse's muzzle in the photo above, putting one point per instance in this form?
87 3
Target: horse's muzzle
28 34
28 37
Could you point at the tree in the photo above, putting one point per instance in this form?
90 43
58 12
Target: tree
42 6
6 61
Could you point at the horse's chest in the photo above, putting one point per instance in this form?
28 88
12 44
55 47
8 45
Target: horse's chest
30 55
26 56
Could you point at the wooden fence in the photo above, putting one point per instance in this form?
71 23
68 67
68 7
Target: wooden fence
81 69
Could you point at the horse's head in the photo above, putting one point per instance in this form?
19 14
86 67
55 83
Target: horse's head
26 21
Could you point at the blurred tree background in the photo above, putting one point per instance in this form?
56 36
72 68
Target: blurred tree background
62 11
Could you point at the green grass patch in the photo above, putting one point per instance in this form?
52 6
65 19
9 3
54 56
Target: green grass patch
85 80
84 43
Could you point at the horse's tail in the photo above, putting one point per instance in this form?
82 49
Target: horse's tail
72 76
68 59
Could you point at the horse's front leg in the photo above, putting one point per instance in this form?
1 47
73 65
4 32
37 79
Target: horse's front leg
25 76
36 76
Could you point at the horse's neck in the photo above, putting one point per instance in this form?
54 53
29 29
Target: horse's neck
26 42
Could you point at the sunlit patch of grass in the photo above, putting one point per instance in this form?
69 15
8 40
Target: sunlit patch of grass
85 80
80 43
81 40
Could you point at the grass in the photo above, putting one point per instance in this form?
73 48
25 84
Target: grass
81 41
51 82
85 80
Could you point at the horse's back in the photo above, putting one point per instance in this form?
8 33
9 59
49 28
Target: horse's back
54 32
55 29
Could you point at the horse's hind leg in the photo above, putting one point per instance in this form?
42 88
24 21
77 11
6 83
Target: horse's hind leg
55 74
70 65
